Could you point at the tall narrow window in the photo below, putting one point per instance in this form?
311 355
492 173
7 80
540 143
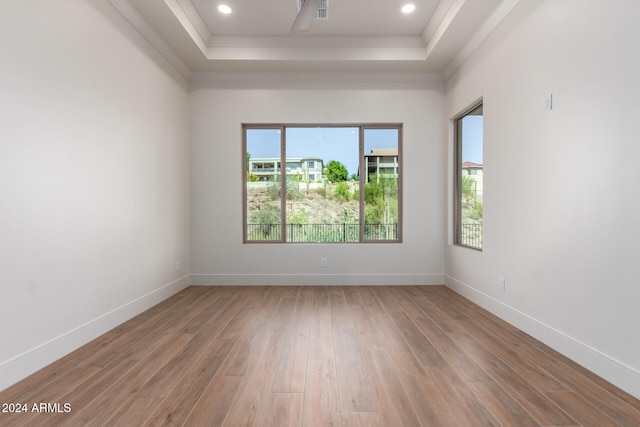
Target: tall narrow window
381 189
469 173
322 184
263 207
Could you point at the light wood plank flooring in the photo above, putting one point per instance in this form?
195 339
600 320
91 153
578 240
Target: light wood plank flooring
318 356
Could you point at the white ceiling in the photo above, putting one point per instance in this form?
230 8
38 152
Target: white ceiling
347 18
360 36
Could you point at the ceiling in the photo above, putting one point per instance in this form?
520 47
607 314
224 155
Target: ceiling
358 37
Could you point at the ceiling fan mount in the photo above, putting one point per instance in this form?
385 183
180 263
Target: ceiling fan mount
308 11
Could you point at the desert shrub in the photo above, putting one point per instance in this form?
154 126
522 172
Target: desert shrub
342 192
267 214
468 186
273 188
381 200
321 191
268 218
293 187
298 218
476 211
380 188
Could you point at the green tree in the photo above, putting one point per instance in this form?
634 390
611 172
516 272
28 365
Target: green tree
336 171
468 187
250 177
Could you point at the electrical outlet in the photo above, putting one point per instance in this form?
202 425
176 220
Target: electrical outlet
502 283
178 265
323 262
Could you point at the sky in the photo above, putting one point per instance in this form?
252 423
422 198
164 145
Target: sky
336 143
341 143
472 139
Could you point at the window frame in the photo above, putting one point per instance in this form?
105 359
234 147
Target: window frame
457 196
282 127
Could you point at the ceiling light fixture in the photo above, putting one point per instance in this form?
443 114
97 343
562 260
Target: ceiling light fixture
224 9
408 8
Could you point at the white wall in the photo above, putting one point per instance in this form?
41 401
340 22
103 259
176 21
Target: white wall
94 178
561 200
218 254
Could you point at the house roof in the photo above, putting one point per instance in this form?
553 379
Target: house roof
471 165
288 159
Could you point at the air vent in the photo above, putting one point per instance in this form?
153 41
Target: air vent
323 11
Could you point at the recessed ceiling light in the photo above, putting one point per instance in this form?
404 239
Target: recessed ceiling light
408 8
223 8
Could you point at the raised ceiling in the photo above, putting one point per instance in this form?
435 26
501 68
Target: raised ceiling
347 18
358 36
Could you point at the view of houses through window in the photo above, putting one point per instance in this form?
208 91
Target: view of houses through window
469 177
325 198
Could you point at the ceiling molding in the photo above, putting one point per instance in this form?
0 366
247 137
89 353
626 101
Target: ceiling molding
319 80
400 48
185 20
317 42
444 25
157 42
192 13
261 53
436 18
454 30
483 32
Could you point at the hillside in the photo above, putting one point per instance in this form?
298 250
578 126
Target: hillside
311 207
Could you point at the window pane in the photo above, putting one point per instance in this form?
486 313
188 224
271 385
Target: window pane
316 183
322 197
469 174
381 184
263 206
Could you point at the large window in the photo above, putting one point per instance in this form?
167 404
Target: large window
322 183
469 174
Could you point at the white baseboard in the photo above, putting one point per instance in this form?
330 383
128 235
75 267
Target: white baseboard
25 364
616 372
316 279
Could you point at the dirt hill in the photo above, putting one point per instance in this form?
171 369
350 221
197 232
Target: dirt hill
316 205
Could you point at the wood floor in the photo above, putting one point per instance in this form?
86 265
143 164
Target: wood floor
317 356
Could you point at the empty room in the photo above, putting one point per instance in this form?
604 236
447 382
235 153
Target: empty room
319 212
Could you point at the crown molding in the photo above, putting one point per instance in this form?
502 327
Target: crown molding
317 42
501 12
436 18
439 31
415 80
149 34
279 49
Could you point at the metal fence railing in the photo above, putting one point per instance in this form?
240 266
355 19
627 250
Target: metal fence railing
471 235
308 233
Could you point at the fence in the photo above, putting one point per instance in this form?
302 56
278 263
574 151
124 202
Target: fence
471 235
308 233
